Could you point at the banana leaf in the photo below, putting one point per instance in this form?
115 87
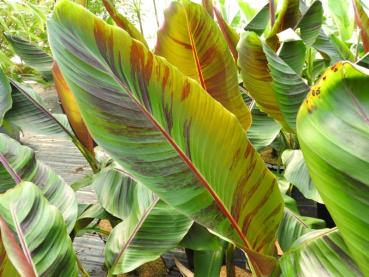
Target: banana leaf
190 40
259 22
71 109
333 131
150 230
319 253
29 222
154 122
21 159
32 55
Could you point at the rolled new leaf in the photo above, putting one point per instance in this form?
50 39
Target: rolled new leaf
167 132
333 131
191 41
38 229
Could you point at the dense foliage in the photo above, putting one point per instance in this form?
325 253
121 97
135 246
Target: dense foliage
197 143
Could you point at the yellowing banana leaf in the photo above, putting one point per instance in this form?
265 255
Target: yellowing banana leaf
71 109
39 230
154 121
277 92
208 5
333 131
191 41
230 35
21 159
362 21
288 16
319 253
123 22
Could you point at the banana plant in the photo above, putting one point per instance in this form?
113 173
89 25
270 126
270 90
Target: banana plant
184 167
166 109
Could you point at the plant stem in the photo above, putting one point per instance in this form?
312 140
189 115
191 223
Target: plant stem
272 12
81 268
88 156
357 45
17 179
156 13
230 260
310 66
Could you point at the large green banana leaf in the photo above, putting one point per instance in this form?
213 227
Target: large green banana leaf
151 229
333 131
32 55
278 91
191 40
319 253
167 132
21 159
162 230
39 230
